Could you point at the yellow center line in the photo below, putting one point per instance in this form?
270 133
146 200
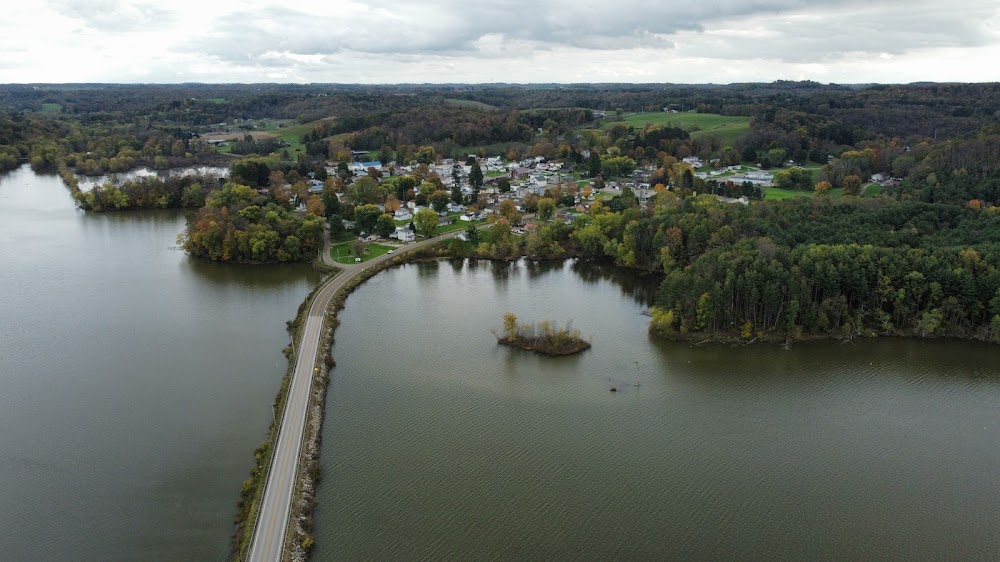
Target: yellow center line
294 401
298 392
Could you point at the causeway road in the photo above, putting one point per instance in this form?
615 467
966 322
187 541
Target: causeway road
272 522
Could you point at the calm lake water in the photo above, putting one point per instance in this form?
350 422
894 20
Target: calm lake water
439 444
135 382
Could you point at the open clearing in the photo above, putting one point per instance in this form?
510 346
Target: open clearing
341 253
471 104
727 127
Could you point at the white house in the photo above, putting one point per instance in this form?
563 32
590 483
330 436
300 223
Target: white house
403 234
402 214
456 208
362 167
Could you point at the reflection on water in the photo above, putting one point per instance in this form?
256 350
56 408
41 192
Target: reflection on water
135 382
643 288
87 183
441 444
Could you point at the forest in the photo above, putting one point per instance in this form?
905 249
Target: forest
890 228
238 225
791 269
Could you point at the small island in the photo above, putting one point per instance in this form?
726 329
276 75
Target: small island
544 337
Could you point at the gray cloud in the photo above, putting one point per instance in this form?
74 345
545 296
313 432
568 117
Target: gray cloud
503 40
793 30
115 15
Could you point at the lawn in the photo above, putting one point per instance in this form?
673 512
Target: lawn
777 194
471 104
457 225
871 190
727 128
341 253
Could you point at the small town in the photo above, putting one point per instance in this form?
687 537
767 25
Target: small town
519 280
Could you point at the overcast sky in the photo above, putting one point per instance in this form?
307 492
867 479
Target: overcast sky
394 41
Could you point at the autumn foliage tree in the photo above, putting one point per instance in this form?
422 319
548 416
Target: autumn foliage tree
238 225
852 185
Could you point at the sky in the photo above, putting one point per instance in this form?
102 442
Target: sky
518 41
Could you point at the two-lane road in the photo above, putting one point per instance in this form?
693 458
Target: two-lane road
272 523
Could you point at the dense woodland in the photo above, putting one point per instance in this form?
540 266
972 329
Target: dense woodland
239 225
789 269
919 258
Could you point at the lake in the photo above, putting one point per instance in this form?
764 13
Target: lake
136 382
441 445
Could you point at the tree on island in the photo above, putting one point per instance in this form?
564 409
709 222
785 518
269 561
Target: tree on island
544 337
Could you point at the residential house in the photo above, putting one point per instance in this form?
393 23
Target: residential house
362 167
457 208
444 221
519 172
402 214
403 234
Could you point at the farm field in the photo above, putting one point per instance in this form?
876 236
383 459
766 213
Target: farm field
727 128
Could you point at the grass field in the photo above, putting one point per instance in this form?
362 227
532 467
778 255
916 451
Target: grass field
455 225
472 104
290 133
871 190
51 108
727 128
293 134
537 109
341 253
777 194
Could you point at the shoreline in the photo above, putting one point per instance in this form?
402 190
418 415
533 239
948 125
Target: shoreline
298 540
309 471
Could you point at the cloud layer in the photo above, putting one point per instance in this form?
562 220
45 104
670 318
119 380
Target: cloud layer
500 41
